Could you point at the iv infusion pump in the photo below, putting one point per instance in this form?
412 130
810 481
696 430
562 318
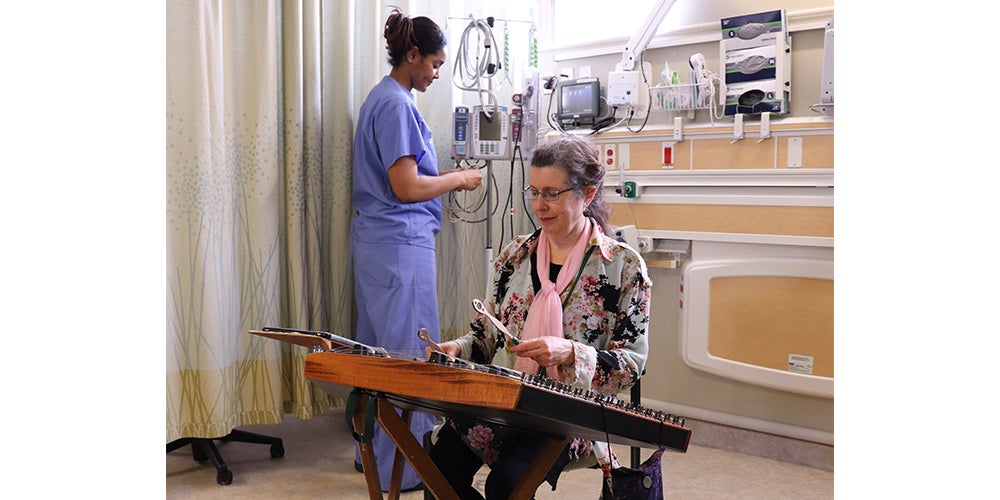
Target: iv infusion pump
479 135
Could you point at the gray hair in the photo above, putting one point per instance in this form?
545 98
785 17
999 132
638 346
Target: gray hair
578 157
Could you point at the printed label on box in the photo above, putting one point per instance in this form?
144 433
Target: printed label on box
746 65
755 97
753 30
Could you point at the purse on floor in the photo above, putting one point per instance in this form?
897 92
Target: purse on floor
642 483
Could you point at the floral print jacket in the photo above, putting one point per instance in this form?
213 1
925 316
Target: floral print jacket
605 314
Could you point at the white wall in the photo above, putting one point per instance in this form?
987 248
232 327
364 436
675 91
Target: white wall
669 381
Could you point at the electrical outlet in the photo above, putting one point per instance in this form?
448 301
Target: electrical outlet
608 157
668 155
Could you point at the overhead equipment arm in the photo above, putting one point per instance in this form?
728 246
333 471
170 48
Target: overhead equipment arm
640 40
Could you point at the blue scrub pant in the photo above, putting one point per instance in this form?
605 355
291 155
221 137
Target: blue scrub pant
395 290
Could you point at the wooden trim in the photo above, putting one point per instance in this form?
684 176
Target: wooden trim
715 149
743 219
724 154
749 130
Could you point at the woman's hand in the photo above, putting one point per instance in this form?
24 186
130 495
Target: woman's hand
469 178
546 351
450 348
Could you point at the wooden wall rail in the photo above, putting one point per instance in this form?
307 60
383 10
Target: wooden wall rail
714 148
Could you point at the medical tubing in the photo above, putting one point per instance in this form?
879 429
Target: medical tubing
469 73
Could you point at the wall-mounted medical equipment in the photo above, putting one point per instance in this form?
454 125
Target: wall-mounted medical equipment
640 40
524 118
701 80
825 104
755 57
826 81
481 133
625 89
578 100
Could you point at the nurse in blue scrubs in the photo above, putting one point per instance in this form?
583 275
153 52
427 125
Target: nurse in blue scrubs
397 210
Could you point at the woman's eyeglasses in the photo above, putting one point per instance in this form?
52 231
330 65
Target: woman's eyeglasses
547 194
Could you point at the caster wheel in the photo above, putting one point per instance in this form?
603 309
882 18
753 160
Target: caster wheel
224 477
277 451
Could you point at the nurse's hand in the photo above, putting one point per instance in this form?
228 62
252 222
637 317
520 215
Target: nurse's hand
469 178
450 348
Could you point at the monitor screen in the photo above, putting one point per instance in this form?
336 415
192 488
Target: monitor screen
489 127
579 99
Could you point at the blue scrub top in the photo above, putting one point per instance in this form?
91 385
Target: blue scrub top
390 127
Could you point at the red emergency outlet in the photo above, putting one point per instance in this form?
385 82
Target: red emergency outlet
668 155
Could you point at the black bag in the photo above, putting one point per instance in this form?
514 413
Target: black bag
642 483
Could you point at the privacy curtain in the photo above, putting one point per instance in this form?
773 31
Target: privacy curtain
260 98
258 203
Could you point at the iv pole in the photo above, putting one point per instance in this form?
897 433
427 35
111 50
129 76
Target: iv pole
488 250
477 87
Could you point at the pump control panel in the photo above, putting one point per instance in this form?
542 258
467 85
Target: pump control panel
460 137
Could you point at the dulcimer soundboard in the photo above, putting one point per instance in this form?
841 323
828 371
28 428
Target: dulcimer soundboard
448 386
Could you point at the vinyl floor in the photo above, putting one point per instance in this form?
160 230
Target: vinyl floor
319 463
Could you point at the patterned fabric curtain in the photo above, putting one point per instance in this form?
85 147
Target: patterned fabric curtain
260 102
258 203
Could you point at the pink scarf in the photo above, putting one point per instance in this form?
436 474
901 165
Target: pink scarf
545 314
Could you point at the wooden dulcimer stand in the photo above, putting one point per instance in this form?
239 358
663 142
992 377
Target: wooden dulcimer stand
446 386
